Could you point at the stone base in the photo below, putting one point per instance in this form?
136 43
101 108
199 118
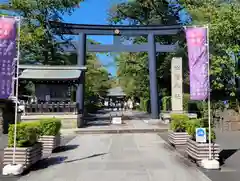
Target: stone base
80 121
12 169
210 164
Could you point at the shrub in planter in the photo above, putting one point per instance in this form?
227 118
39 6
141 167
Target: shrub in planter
50 127
199 151
179 122
28 150
50 133
177 133
199 123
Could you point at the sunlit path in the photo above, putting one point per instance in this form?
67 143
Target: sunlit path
128 157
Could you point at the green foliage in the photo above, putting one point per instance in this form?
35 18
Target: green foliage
191 127
144 105
186 98
97 79
27 134
179 122
188 105
50 126
92 108
199 123
133 70
223 19
38 38
166 103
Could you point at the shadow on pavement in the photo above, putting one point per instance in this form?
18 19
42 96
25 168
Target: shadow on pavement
229 160
65 148
225 154
99 122
45 163
91 156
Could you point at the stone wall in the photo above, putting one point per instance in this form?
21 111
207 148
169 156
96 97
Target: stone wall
230 120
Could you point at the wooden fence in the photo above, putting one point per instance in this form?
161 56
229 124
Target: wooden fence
50 108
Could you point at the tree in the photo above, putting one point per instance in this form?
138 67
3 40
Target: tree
40 42
223 18
133 68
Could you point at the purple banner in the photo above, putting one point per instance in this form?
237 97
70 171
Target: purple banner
8 32
198 60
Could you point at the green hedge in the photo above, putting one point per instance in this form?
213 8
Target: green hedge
27 134
92 107
179 122
166 103
50 126
144 105
188 105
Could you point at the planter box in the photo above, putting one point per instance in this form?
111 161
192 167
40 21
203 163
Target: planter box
50 142
200 151
25 156
178 138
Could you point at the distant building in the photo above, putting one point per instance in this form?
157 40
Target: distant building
52 85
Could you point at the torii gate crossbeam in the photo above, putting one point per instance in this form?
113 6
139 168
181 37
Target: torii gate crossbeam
151 47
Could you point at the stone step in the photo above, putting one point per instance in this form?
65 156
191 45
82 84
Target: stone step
120 131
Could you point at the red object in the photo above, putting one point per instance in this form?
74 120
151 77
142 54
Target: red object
6 27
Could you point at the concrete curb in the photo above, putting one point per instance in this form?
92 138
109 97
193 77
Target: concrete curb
179 155
120 131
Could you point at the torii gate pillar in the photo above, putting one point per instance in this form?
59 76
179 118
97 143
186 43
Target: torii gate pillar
81 61
153 77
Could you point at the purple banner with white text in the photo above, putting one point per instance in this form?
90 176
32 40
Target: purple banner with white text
198 62
8 32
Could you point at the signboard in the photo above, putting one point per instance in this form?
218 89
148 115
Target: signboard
201 136
198 61
8 31
117 120
177 95
47 97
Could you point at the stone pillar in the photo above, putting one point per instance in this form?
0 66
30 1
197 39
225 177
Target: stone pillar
153 76
81 87
177 84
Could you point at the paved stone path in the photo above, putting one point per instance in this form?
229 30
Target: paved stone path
117 157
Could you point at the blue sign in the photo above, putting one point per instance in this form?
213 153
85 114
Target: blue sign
201 135
200 132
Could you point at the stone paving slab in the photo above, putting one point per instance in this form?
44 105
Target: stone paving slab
118 157
130 126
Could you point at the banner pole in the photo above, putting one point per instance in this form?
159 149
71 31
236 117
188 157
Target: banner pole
209 97
18 19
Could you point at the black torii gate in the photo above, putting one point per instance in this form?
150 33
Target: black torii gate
118 30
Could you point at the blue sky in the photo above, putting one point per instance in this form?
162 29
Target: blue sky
95 12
